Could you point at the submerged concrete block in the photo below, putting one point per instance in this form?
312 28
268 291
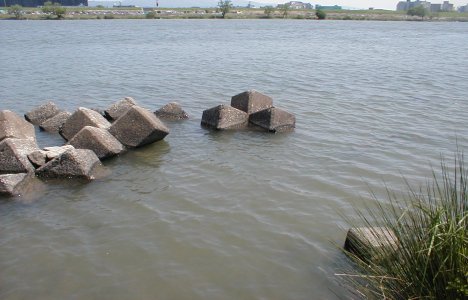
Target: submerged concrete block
99 140
274 120
251 101
40 157
119 108
80 118
14 156
224 117
13 184
365 242
42 113
14 126
76 163
54 123
171 111
138 127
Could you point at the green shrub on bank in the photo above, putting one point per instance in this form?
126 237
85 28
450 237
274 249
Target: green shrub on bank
431 261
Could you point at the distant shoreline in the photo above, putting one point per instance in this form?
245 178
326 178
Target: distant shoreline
93 13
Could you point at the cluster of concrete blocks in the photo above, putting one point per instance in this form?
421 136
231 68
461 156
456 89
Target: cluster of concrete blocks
249 108
90 137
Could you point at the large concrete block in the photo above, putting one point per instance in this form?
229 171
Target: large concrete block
274 120
251 101
14 156
365 242
80 118
171 111
119 108
14 126
40 157
138 127
42 113
224 117
76 163
54 123
99 140
13 184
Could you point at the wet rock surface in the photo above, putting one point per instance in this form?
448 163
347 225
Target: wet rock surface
274 120
171 111
224 117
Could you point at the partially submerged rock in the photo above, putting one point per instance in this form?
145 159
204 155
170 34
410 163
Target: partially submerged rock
274 120
42 113
171 111
224 117
14 126
40 157
138 127
99 140
54 123
76 163
13 184
119 108
14 156
365 242
251 101
80 118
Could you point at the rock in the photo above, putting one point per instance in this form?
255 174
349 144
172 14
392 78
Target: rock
14 156
54 123
40 157
80 118
99 140
53 152
138 127
365 242
171 111
37 158
224 117
75 163
13 126
119 108
274 120
42 113
13 184
251 101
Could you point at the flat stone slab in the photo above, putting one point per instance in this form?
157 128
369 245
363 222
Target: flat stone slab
54 123
251 101
119 108
365 241
80 118
76 163
223 117
138 127
14 126
171 111
12 184
14 156
41 113
99 140
274 120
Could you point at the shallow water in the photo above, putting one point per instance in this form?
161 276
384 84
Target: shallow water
231 215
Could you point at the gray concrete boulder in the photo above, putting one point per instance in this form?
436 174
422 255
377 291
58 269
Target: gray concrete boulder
251 101
42 113
80 118
365 242
171 111
119 108
14 126
54 123
223 117
40 157
138 127
99 140
75 163
274 120
14 156
13 184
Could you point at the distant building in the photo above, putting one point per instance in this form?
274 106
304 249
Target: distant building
463 8
405 5
323 7
436 7
446 6
299 5
36 3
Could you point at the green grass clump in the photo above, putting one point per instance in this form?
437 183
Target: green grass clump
431 258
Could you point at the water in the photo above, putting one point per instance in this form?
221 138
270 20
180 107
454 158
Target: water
234 215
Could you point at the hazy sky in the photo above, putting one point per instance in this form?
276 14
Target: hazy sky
387 4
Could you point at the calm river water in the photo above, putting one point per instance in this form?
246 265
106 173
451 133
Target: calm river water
231 215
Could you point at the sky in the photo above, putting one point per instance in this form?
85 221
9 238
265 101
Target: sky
386 4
